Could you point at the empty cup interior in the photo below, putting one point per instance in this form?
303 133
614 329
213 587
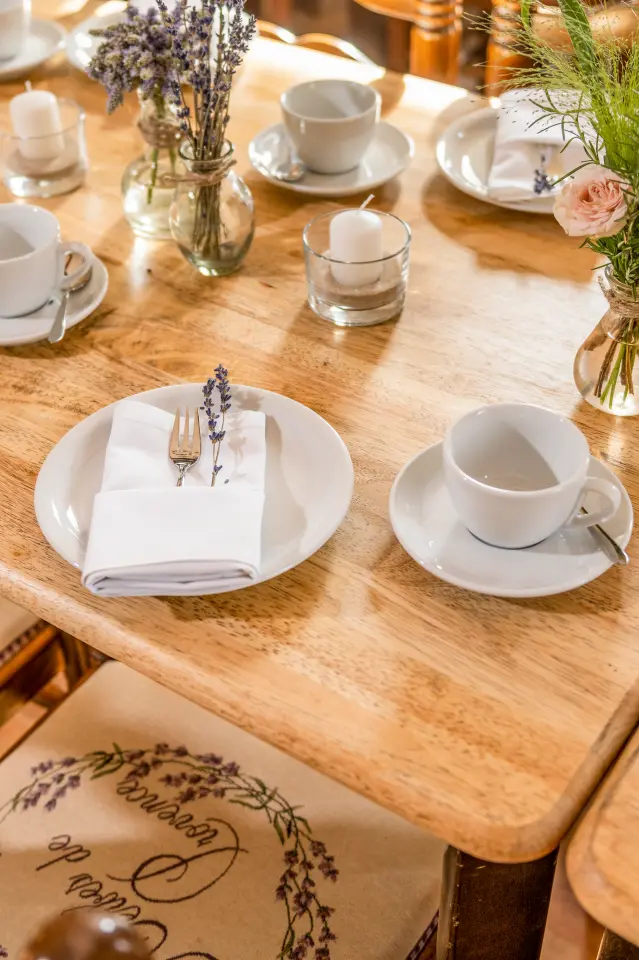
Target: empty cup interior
518 447
329 100
24 229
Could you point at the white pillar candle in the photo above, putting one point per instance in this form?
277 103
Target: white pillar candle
35 116
356 237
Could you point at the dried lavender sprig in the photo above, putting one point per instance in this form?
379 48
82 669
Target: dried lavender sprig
217 384
208 46
135 54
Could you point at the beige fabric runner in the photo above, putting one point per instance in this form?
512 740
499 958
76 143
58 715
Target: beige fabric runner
258 852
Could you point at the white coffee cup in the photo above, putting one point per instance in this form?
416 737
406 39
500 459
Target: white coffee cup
14 27
32 259
516 473
331 122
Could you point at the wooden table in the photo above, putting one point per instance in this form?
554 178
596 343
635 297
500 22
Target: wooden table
603 857
489 722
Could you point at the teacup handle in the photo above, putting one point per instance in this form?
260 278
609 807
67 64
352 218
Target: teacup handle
608 490
70 246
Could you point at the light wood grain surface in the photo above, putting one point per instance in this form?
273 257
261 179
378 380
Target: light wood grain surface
489 722
603 855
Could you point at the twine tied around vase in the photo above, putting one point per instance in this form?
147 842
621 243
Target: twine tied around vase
621 326
208 178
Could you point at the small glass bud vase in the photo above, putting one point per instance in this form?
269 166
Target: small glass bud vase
212 216
146 195
605 366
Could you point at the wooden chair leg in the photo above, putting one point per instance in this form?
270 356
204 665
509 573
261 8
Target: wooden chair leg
435 40
614 948
502 54
493 911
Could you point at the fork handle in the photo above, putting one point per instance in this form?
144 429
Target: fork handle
182 468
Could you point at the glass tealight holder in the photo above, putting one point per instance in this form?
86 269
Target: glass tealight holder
50 165
356 294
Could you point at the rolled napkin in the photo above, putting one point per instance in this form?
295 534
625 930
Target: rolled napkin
530 151
151 538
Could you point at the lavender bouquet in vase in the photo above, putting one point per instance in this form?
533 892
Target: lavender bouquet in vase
135 54
212 217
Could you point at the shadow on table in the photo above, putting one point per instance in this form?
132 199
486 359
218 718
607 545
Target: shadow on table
282 602
505 239
397 574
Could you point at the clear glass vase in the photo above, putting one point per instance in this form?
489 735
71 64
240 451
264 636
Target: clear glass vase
605 366
212 215
146 195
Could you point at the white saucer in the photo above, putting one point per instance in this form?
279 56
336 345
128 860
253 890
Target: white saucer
17 331
45 38
426 525
390 152
465 155
309 476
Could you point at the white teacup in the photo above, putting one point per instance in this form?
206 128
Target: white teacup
14 26
331 122
32 258
516 473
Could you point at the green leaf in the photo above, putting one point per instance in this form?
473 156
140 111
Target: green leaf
526 6
249 806
280 832
578 27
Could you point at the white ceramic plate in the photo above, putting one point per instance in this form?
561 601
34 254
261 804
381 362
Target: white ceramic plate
465 155
17 331
390 152
45 38
426 525
309 476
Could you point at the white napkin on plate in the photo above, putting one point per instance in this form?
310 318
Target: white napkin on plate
151 538
529 156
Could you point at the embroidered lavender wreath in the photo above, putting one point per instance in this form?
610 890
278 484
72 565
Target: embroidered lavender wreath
202 776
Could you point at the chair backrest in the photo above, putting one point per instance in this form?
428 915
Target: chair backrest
314 41
435 38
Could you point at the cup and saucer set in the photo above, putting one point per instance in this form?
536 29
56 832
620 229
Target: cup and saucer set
46 285
25 43
331 141
512 504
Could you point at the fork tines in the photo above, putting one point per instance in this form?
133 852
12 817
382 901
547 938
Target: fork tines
184 445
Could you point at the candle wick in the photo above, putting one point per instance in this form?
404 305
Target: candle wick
367 201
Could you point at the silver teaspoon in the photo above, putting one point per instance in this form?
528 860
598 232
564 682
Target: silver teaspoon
289 172
608 544
59 326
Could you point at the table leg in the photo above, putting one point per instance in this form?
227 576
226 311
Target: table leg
493 911
614 948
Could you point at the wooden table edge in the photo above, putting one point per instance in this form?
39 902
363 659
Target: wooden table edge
492 842
587 875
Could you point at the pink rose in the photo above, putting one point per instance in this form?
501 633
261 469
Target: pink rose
593 203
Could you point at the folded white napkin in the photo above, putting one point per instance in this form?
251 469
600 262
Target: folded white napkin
529 156
151 538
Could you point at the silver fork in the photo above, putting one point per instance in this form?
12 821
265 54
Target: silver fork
184 449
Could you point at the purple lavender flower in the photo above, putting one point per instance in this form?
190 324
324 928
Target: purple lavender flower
3 952
208 46
135 54
216 387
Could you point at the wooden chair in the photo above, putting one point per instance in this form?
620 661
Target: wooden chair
39 667
314 41
435 36
131 800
